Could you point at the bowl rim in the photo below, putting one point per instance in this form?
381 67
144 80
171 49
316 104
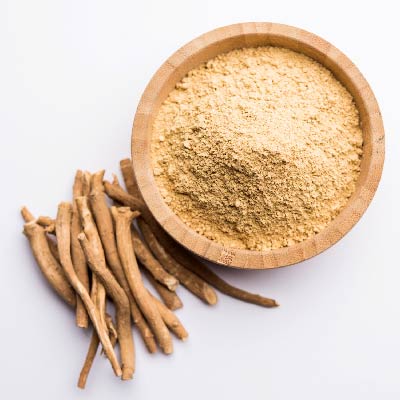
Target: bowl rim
322 51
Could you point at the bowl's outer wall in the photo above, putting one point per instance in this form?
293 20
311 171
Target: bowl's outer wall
225 39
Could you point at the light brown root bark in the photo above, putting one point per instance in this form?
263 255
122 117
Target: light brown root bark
193 264
118 194
151 264
121 301
63 230
104 222
78 258
190 280
28 217
129 177
49 266
90 229
26 214
143 327
90 356
123 220
170 299
115 180
53 247
86 182
170 319
100 303
47 223
112 332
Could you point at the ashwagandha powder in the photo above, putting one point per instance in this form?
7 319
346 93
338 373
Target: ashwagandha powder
258 148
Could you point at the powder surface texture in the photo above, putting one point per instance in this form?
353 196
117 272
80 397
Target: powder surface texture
258 148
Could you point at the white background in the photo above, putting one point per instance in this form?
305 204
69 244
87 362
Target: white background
72 73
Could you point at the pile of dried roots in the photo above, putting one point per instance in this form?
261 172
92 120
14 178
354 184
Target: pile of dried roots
92 252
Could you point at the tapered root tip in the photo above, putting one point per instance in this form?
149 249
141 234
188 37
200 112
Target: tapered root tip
211 297
176 306
82 381
172 283
118 373
269 303
168 349
127 374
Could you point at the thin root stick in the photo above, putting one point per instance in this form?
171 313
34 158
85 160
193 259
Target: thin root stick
170 319
49 266
121 302
118 194
137 316
86 180
147 259
190 280
115 180
90 356
170 299
63 229
143 327
112 332
123 219
129 177
100 303
104 222
90 229
28 217
193 264
48 223
53 247
78 258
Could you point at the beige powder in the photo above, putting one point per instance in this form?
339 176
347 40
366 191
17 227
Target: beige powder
258 148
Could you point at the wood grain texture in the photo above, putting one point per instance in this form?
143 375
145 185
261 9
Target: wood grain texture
225 39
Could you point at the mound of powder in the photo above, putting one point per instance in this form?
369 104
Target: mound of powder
258 148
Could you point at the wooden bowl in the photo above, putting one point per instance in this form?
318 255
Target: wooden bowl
223 40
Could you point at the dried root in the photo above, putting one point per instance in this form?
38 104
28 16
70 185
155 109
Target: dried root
102 238
112 332
78 258
129 177
191 263
90 229
28 217
191 281
123 218
151 264
90 356
121 302
170 299
49 266
63 230
170 319
48 223
105 228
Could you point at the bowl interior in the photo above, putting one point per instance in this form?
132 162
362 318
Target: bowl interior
223 40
